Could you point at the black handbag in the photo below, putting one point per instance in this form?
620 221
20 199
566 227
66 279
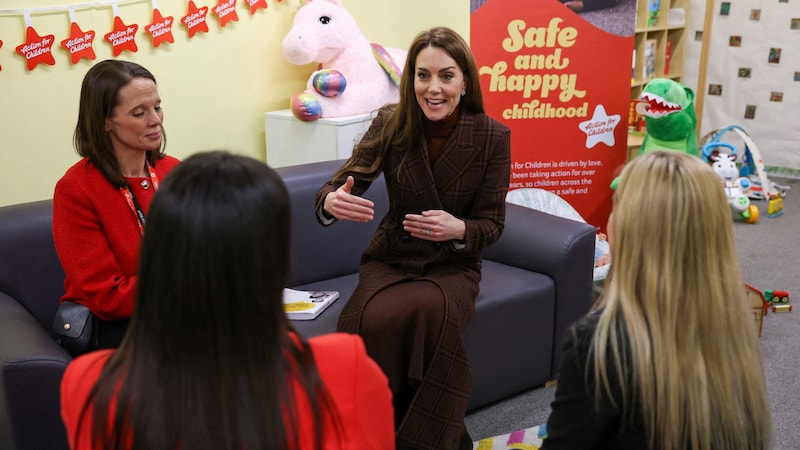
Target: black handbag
76 328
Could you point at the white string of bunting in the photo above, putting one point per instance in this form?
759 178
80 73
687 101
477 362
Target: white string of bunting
76 7
37 49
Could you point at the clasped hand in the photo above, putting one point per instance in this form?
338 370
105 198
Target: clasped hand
432 225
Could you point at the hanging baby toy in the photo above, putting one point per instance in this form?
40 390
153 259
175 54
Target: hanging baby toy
355 76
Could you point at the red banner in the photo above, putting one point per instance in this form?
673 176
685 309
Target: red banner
561 85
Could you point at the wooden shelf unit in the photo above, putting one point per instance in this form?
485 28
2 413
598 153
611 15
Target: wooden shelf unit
661 32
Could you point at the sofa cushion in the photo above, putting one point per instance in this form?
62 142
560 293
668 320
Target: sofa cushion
514 305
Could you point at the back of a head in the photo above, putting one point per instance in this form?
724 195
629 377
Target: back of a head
676 298
672 226
214 255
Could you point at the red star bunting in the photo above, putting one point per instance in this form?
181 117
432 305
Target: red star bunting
122 37
79 43
160 29
195 20
226 11
255 5
37 49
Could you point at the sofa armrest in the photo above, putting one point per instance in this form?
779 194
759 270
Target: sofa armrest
30 271
560 248
31 367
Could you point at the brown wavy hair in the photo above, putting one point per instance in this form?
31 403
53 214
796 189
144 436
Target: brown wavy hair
402 129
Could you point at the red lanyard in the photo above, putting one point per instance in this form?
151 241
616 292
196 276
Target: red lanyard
134 204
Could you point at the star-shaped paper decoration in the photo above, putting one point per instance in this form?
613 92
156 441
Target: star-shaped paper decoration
37 49
600 128
226 11
255 5
160 29
122 37
79 43
1 46
195 20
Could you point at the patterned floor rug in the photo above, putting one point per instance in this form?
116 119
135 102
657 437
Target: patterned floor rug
527 439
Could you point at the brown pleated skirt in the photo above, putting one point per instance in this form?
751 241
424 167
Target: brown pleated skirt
414 330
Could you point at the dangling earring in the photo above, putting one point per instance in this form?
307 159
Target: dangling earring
463 92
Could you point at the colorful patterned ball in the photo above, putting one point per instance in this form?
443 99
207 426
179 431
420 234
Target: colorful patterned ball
329 83
306 107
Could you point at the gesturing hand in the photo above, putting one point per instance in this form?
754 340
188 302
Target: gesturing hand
342 205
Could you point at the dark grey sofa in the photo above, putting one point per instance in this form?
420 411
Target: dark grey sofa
537 279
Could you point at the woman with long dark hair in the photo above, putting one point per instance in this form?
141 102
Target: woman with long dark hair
210 360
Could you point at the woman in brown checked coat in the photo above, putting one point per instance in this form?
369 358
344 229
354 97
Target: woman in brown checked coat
447 168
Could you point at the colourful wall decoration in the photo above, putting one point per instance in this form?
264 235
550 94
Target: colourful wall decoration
225 12
160 29
562 85
195 19
753 78
80 43
37 49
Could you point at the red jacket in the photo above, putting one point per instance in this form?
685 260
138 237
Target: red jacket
97 237
356 384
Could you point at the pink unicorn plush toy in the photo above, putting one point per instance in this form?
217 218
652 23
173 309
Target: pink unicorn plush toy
355 76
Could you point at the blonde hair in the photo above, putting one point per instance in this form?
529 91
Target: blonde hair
674 320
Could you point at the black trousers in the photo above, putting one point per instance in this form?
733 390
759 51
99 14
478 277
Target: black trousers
110 334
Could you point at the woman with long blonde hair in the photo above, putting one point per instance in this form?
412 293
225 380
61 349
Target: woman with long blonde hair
669 358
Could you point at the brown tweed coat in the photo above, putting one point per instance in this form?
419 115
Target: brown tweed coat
470 181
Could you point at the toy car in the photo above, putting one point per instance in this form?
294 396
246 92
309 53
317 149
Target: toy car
774 297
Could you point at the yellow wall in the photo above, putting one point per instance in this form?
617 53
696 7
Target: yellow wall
215 87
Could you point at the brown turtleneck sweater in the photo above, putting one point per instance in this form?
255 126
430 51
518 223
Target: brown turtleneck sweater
436 134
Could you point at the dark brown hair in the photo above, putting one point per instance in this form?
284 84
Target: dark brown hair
99 97
402 128
208 361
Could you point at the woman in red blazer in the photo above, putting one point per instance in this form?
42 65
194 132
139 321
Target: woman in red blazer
99 205
447 166
210 360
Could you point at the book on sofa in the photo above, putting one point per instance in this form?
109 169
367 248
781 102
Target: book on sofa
307 305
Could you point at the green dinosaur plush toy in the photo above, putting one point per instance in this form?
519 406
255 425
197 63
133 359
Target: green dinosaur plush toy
668 108
670 117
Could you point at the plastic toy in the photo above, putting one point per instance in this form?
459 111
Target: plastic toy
775 207
354 77
781 308
774 297
736 187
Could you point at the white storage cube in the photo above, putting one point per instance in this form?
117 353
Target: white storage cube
291 141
